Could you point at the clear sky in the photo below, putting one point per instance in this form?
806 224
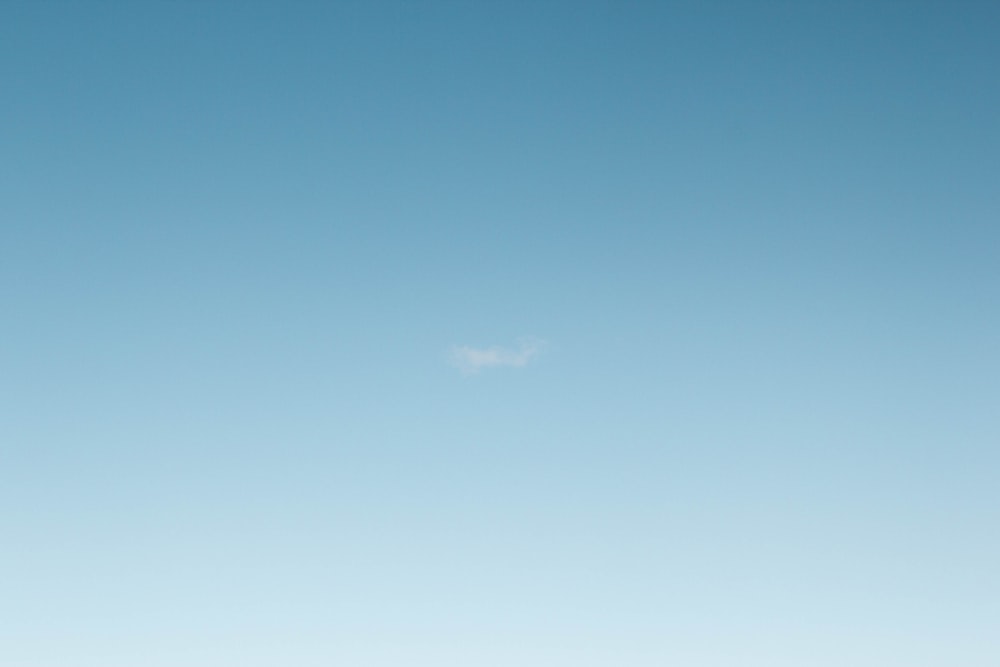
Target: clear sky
489 334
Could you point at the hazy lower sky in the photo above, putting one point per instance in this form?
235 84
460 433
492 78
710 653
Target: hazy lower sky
499 334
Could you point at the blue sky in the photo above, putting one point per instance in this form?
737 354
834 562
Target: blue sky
489 334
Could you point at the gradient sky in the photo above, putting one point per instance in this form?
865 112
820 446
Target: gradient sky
489 334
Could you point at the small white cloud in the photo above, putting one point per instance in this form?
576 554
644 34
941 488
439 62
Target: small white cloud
471 360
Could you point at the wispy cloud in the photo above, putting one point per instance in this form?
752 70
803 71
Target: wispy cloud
471 360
